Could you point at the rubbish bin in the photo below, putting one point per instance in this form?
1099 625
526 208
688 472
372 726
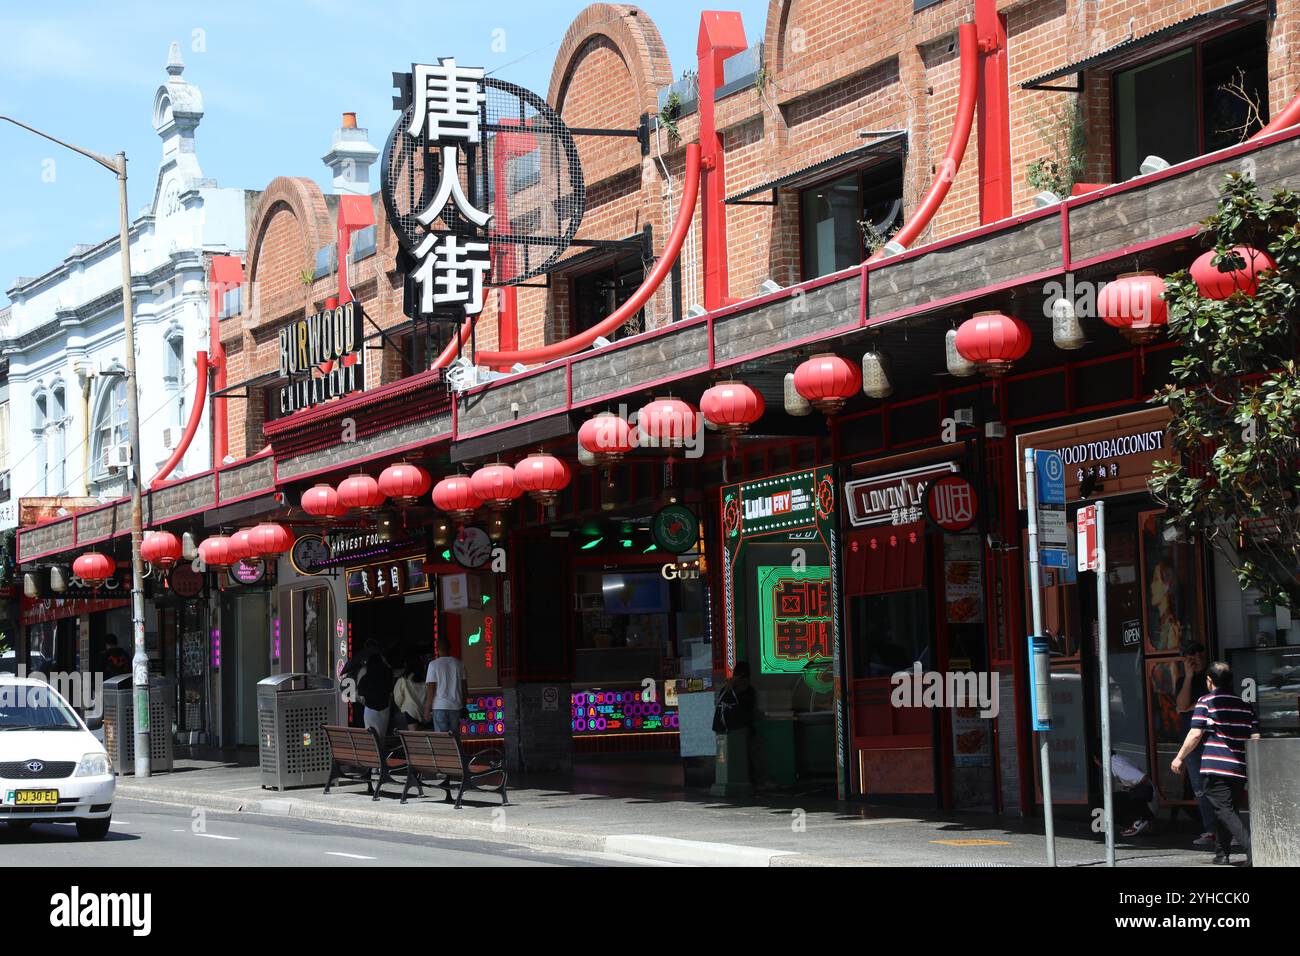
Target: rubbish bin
119 722
291 710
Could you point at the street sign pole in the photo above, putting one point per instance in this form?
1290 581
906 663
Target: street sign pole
1035 582
1103 658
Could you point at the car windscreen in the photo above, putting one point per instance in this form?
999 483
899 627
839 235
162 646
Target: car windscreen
33 707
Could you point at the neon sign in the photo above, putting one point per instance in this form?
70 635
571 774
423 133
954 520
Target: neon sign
485 717
620 711
794 617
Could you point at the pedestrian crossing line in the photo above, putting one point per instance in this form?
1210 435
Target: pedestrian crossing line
216 836
350 856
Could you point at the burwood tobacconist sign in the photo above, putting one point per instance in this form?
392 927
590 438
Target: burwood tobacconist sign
1118 454
321 356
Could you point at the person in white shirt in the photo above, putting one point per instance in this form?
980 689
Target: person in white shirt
446 688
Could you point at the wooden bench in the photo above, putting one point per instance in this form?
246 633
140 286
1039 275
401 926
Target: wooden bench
431 752
356 753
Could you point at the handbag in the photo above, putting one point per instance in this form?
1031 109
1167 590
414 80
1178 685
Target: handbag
721 708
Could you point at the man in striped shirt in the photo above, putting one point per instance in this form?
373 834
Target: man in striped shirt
1225 721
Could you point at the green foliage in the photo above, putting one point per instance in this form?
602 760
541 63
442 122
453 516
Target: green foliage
1062 129
668 115
1235 399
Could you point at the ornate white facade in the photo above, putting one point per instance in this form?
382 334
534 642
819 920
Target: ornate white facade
64 336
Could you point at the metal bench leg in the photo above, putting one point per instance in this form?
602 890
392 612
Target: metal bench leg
370 786
411 776
505 801
334 769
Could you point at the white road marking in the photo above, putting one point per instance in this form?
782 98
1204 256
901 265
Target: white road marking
350 856
216 836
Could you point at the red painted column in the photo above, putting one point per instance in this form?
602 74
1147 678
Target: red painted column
225 273
722 34
994 135
508 146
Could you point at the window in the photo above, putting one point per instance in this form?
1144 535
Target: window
40 415
597 293
4 436
836 217
110 425
55 433
1207 96
174 375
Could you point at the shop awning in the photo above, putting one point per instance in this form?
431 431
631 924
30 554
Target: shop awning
1164 40
885 558
880 149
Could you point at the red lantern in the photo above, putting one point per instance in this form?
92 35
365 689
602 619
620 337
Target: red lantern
543 477
94 568
1134 303
270 539
360 491
241 546
162 549
606 436
993 341
827 381
1214 284
732 406
495 486
455 495
215 552
322 501
667 423
404 483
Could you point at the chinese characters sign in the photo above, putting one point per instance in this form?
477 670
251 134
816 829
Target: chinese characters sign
897 498
386 579
794 622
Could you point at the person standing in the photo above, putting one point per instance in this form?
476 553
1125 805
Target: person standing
445 690
1190 689
1226 722
375 687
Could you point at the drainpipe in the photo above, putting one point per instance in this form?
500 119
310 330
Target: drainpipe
192 426
507 146
994 136
1289 116
225 273
85 432
672 248
956 144
722 34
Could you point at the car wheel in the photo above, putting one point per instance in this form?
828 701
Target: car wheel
93 829
20 824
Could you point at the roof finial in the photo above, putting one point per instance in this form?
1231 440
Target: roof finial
175 65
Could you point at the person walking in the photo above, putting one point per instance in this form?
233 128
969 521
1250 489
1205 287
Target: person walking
1226 722
445 690
1190 689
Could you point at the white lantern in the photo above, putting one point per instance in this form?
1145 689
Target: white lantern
795 404
875 375
958 365
58 579
189 547
1067 331
585 457
31 587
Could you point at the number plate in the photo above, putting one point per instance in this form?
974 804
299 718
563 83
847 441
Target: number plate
33 798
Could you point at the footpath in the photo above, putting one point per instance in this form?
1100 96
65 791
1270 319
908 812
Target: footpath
672 825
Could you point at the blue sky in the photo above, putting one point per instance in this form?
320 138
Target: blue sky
275 79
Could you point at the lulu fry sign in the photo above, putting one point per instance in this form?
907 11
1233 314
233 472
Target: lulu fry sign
320 355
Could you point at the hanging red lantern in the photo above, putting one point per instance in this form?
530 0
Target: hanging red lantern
455 495
667 423
543 477
828 381
1214 284
993 341
215 552
162 549
495 486
271 539
361 492
732 407
241 546
404 483
94 568
606 436
322 501
1134 303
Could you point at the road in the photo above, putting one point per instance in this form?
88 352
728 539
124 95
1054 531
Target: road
156 834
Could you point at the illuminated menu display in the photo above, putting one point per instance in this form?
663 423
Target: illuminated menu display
620 712
794 623
485 717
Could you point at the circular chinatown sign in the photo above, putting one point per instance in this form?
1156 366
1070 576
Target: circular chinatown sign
676 529
952 504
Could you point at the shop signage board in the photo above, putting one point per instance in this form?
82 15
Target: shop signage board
386 579
321 356
951 503
896 498
794 622
676 529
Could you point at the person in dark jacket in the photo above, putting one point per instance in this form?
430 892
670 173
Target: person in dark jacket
375 688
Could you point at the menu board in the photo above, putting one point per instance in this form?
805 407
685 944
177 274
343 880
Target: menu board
963 579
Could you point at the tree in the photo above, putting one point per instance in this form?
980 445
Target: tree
1235 399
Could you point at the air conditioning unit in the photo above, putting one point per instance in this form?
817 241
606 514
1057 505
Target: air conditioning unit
171 436
117 456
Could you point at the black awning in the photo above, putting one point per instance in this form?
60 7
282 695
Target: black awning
859 157
1165 40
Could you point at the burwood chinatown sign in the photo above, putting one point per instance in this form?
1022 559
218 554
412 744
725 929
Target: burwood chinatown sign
329 342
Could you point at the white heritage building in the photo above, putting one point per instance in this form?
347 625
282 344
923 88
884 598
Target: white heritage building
63 430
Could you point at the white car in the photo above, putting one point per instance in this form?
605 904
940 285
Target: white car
52 769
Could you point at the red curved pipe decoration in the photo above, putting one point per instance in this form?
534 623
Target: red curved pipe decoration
956 144
192 426
672 248
1289 116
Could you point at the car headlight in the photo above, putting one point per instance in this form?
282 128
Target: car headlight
93 765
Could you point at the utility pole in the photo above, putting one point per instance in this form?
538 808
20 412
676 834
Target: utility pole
140 661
